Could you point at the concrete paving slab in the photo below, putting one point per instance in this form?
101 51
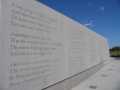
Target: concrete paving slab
108 78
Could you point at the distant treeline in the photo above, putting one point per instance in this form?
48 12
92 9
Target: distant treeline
115 52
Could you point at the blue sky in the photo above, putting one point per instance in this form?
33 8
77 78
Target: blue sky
101 16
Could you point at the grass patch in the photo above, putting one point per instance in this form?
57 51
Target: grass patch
115 52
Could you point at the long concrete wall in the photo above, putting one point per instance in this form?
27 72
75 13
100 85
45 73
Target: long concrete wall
41 47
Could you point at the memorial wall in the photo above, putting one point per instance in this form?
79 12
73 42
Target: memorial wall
40 47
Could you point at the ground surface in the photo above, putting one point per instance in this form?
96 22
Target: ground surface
108 78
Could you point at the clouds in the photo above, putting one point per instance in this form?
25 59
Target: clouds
90 23
101 8
98 6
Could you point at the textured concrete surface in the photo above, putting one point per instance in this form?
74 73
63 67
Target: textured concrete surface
108 78
75 80
40 47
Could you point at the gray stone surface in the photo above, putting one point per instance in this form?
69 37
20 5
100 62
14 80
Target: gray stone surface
77 79
40 47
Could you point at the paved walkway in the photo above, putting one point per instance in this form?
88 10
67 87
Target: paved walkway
108 78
